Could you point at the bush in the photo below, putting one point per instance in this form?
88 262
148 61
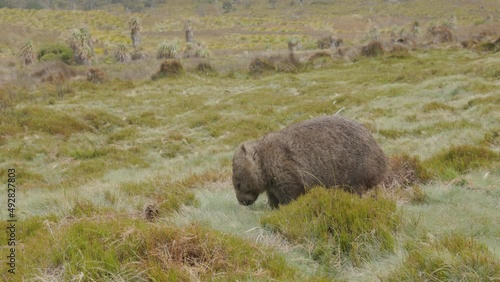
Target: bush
373 49
275 63
452 258
55 52
339 224
169 68
206 68
95 75
168 50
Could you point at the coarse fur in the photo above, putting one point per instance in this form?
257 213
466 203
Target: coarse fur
329 151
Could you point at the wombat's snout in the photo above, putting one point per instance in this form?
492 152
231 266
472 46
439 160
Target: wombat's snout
245 202
246 199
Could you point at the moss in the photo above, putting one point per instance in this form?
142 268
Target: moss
339 224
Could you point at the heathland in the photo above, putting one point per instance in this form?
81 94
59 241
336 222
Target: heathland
119 135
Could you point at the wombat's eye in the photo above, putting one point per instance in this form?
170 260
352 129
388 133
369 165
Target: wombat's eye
238 186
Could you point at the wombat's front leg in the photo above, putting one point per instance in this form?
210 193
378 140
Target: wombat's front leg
272 200
283 194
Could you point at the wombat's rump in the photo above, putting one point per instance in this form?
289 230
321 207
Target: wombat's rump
329 151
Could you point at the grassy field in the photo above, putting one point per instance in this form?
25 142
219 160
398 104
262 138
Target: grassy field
130 179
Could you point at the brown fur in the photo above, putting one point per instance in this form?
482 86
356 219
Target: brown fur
326 151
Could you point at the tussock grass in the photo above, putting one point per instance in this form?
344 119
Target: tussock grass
117 247
454 257
461 159
340 226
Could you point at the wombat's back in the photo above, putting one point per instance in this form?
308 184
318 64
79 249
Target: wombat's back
328 151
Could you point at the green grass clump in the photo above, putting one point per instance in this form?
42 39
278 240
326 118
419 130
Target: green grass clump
338 223
452 258
451 163
119 248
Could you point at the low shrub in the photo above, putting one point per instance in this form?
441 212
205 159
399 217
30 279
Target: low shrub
206 68
96 75
55 52
338 224
373 49
169 68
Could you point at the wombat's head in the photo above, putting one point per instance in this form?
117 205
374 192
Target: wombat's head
247 174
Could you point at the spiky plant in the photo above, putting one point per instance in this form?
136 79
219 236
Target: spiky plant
81 43
188 29
293 44
202 51
452 22
397 31
121 54
28 52
135 31
138 54
168 50
373 34
415 30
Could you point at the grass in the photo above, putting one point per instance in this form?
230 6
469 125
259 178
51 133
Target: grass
93 161
451 258
458 160
339 225
117 247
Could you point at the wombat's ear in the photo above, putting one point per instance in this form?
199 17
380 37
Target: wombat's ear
244 149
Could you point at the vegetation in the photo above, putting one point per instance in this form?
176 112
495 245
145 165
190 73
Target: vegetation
55 52
451 258
124 169
339 225
28 52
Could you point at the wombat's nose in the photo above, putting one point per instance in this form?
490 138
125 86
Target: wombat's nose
245 202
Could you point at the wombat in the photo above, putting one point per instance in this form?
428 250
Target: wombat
329 151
